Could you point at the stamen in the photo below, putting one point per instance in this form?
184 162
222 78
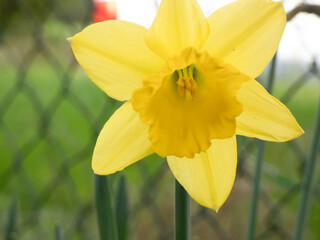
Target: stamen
187 86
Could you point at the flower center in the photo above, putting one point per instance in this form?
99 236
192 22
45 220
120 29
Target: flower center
187 86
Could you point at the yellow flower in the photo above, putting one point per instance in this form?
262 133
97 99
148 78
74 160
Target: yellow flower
188 82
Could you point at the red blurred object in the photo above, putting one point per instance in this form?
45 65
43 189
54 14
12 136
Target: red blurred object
104 10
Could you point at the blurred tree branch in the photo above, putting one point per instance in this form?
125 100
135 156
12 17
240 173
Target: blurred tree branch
304 7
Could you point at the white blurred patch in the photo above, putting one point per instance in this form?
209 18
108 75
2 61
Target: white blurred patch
300 42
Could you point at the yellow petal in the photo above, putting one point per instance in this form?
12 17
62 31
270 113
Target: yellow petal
122 141
264 116
209 176
115 57
177 25
183 122
246 34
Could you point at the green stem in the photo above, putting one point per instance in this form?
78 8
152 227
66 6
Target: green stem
255 192
306 185
182 213
258 169
106 219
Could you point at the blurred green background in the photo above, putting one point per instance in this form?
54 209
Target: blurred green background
51 114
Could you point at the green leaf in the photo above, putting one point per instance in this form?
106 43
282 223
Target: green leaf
122 209
58 233
106 220
307 182
11 226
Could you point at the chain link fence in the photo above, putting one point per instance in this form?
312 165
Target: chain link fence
50 117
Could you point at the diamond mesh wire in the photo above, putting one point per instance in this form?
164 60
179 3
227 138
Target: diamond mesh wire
51 114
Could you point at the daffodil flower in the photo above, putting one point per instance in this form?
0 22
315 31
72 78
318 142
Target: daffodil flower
188 82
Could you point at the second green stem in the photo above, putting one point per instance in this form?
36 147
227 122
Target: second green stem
182 213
